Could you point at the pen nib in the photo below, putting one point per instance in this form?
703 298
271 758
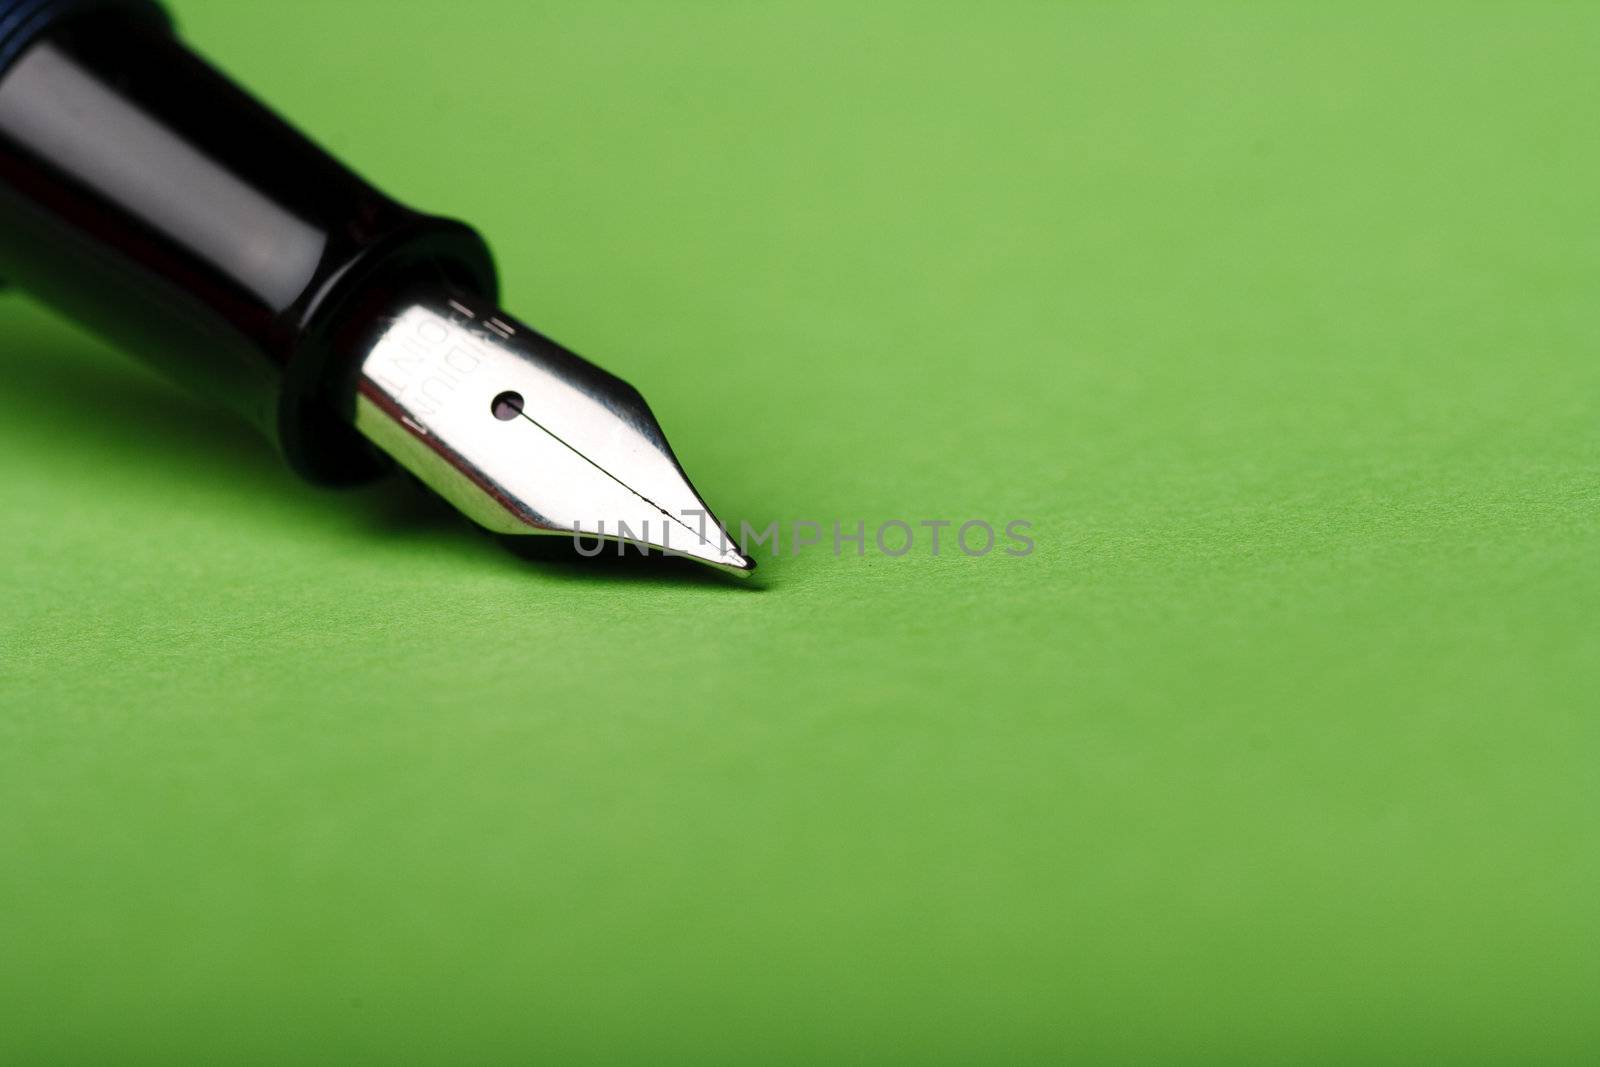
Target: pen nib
526 438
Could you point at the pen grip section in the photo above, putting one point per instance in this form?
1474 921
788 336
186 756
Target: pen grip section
146 195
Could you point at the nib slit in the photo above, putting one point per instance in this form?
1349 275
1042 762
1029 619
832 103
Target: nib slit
568 446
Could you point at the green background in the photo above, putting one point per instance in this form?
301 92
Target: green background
1277 321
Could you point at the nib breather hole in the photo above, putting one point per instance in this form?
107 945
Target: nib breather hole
507 406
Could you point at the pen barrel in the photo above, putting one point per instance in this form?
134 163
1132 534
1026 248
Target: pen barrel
147 196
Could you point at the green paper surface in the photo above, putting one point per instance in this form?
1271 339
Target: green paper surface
1276 321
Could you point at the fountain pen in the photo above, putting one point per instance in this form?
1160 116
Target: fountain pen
147 196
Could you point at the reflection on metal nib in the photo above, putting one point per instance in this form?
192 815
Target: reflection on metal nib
526 438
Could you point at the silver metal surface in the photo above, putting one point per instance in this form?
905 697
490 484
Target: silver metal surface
583 453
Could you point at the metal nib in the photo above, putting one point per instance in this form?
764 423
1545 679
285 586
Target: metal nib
526 438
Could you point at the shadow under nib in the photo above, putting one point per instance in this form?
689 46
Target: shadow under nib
526 438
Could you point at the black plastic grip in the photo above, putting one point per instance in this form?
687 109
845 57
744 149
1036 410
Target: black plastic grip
146 195
23 20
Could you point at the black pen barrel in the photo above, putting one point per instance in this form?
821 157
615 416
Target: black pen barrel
147 196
